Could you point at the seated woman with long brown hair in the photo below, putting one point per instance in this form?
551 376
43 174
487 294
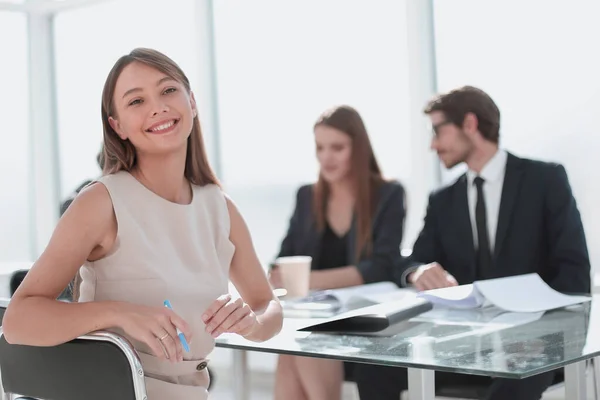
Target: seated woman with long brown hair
351 223
155 227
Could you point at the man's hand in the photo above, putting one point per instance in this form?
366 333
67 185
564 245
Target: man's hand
431 276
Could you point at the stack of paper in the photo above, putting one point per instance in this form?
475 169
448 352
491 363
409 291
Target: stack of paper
350 297
521 293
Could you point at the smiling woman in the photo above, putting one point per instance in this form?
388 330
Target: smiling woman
155 227
81 70
153 110
156 99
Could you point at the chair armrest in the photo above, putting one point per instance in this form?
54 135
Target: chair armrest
71 370
129 352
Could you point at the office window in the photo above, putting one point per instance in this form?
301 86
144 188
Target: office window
15 201
280 65
538 60
111 30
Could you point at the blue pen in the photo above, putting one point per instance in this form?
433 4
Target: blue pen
179 333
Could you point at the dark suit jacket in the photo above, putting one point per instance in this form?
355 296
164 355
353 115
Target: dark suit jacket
539 230
304 238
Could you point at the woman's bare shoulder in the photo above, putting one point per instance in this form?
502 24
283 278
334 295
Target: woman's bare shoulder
92 214
94 197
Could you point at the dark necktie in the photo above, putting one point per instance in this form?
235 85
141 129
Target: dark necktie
484 255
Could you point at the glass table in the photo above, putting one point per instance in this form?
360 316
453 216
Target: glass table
480 342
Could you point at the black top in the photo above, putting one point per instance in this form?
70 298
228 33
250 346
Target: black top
334 250
303 237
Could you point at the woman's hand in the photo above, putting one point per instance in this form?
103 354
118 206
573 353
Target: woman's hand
228 315
156 327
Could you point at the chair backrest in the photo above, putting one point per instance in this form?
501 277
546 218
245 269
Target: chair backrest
3 305
15 280
98 366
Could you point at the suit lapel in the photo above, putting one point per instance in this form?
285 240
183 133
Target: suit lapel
313 245
351 243
510 190
462 221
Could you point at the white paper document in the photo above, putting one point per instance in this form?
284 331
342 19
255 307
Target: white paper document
326 303
372 293
521 293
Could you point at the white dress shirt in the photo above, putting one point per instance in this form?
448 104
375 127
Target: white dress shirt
493 176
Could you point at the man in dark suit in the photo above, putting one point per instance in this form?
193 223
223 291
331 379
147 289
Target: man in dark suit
505 216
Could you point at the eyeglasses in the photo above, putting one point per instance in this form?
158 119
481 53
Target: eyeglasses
436 127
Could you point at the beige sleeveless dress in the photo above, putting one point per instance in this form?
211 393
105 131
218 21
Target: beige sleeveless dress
165 251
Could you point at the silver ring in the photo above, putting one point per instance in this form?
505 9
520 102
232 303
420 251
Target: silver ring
163 337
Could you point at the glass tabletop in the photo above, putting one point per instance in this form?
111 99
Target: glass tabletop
481 342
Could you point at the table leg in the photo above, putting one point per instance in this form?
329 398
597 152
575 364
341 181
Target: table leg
596 376
575 381
421 384
241 385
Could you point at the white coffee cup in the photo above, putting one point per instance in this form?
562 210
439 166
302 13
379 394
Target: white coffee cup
295 274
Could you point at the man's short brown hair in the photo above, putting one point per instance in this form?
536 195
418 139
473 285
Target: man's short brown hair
468 99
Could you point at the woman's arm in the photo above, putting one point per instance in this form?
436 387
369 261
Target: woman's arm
34 316
250 280
287 245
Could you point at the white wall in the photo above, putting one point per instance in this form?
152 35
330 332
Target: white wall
15 198
280 65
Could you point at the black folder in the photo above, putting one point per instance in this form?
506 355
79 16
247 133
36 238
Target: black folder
381 319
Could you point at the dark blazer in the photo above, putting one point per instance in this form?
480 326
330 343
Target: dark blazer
304 238
539 230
